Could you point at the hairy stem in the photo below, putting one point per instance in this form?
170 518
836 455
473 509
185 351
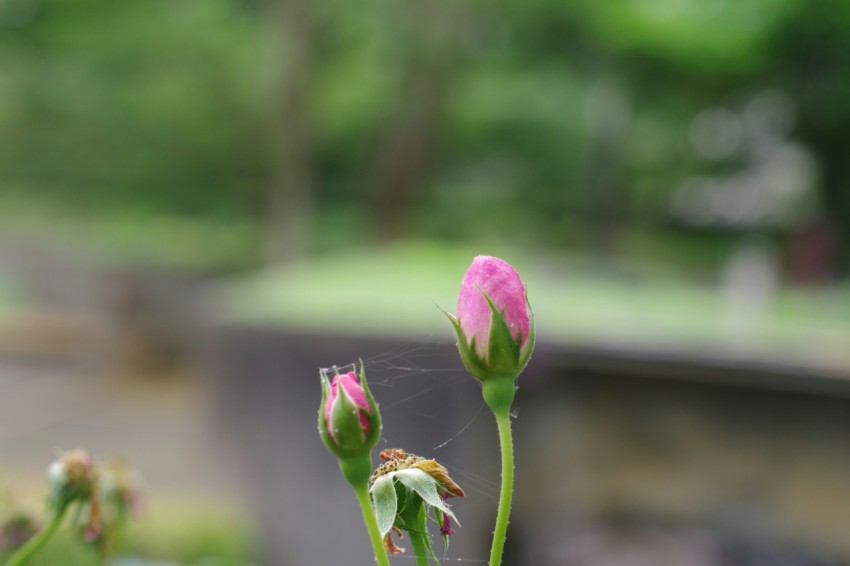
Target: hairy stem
32 546
362 492
420 547
503 421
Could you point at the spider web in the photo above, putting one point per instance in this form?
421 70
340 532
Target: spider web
423 369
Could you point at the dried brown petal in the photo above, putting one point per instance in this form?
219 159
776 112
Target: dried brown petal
439 473
391 454
390 546
79 467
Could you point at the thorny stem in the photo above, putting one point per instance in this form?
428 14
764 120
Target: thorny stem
29 548
362 492
503 421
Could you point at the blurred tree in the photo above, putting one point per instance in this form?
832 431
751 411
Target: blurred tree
407 142
812 58
290 133
552 123
137 105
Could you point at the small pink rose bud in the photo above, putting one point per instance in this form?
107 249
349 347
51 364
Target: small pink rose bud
349 422
349 384
494 322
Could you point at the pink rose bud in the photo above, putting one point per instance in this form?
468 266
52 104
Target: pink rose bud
494 278
494 322
349 384
349 422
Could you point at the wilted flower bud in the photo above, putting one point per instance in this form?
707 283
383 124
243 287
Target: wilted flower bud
72 477
494 322
94 529
349 422
404 488
120 488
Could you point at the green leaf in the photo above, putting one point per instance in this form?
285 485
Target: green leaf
386 502
425 487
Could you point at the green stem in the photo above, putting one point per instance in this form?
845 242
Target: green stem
362 492
29 548
420 547
503 421
98 556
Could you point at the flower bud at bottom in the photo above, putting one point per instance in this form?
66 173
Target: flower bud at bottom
71 477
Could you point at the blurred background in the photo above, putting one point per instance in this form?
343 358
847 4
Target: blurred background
201 203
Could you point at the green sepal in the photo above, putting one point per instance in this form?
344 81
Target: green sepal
502 348
374 415
348 433
506 356
323 423
474 365
528 347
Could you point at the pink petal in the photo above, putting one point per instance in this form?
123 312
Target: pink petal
502 284
355 392
354 389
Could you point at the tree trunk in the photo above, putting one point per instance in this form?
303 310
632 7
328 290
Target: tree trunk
290 198
608 116
405 152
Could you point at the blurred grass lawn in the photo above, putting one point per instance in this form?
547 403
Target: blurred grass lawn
123 238
393 291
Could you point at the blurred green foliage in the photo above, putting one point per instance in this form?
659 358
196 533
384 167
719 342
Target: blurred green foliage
157 107
130 105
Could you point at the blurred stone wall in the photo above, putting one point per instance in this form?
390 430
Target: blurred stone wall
613 467
719 473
